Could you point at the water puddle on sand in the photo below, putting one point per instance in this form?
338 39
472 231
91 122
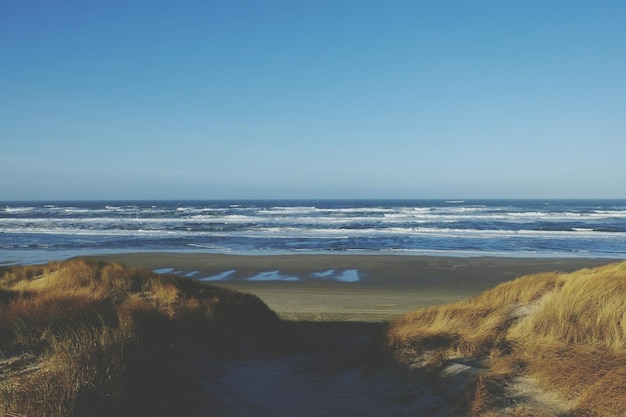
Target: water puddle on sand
219 277
272 276
350 275
347 275
325 274
163 270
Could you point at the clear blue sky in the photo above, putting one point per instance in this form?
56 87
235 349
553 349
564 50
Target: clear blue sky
312 99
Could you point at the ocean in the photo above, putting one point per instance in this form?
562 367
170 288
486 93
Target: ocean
36 232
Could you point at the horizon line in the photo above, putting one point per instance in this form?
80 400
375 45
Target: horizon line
445 199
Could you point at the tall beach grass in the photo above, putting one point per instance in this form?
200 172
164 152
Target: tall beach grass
94 339
565 332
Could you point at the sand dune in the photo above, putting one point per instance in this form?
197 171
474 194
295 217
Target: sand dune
337 356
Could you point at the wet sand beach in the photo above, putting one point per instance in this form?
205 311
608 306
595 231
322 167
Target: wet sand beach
350 287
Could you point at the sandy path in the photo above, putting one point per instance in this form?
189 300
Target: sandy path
331 378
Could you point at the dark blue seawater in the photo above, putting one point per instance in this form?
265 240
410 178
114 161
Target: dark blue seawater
40 231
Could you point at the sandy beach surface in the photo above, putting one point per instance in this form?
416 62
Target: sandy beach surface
339 305
350 287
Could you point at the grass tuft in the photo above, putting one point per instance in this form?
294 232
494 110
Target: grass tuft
565 331
96 339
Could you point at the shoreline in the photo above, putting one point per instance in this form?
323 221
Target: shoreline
378 287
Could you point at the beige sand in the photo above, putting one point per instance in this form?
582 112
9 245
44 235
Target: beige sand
326 288
333 377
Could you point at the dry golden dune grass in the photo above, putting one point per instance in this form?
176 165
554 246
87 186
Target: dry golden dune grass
551 343
80 338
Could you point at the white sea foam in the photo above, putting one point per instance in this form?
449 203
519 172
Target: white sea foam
75 210
217 226
278 233
99 227
609 213
18 209
289 210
